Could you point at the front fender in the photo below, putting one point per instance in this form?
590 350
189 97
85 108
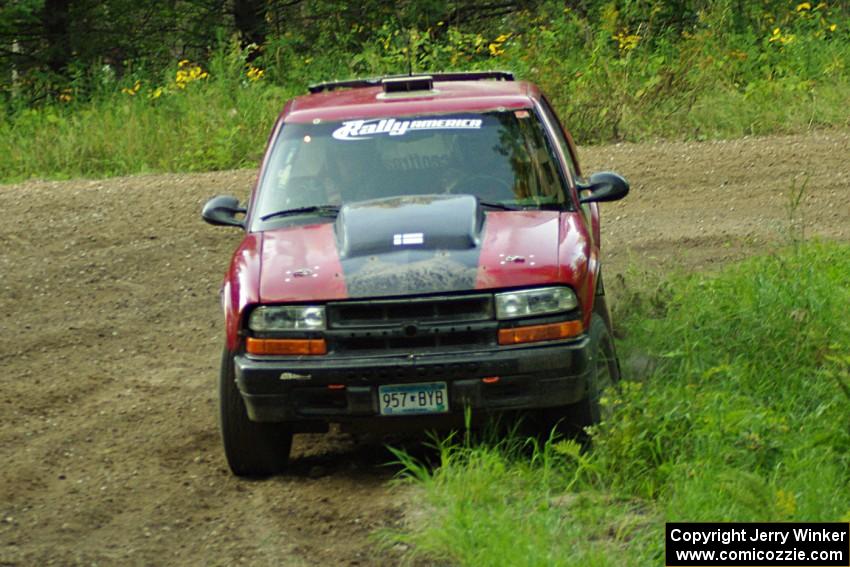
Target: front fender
578 260
241 285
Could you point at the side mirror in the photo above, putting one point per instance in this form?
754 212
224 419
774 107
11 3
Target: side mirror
604 186
222 211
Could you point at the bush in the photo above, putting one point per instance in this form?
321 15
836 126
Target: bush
746 417
748 386
614 71
194 120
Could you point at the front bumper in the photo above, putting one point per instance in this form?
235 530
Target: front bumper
297 389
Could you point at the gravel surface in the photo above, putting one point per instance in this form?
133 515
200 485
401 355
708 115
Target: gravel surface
110 335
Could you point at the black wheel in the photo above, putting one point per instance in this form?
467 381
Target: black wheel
604 374
570 420
251 448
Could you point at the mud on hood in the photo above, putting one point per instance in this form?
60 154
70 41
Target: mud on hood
415 244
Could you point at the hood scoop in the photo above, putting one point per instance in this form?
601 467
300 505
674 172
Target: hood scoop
410 223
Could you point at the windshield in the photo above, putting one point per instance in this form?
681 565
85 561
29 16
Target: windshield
500 157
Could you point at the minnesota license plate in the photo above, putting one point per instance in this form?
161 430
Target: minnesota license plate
405 399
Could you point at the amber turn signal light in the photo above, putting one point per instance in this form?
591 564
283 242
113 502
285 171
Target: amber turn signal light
536 333
286 346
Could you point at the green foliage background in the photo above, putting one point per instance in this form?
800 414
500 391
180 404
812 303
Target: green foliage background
748 426
615 70
751 425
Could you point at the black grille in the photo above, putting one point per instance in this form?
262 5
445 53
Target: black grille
415 324
462 308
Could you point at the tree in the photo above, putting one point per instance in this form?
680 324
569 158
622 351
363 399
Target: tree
249 17
56 18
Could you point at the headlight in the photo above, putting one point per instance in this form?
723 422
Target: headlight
530 302
288 318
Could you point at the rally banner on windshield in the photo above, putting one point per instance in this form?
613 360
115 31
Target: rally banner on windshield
365 129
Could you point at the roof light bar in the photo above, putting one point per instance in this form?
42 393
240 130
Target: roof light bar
434 77
408 84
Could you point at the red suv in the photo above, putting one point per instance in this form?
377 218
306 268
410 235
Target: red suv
414 246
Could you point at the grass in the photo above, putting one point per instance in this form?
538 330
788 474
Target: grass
222 122
726 75
744 417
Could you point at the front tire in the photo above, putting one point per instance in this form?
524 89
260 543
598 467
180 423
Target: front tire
251 448
604 375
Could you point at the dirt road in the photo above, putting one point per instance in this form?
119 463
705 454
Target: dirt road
110 335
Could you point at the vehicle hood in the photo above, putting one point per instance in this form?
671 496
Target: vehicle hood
408 246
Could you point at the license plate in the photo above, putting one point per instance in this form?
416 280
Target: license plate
405 399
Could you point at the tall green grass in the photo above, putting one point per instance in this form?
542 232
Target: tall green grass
218 122
744 417
610 74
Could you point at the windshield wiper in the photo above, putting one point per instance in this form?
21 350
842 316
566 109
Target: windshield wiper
518 207
500 206
322 210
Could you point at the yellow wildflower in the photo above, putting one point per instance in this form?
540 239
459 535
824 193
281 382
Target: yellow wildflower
786 502
781 38
804 6
133 90
255 73
156 93
626 41
833 27
185 75
494 49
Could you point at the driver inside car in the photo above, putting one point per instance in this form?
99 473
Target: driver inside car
493 180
